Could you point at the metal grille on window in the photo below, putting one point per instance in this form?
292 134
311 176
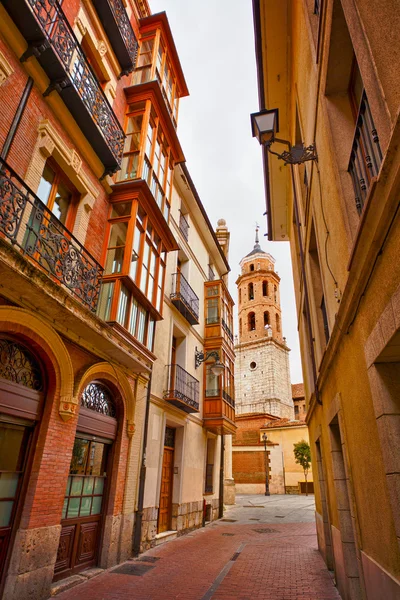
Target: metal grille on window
19 366
98 398
169 439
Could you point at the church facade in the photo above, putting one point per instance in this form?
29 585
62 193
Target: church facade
263 391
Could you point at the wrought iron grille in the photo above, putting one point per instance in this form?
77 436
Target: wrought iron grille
182 291
228 398
184 226
227 330
125 28
97 397
182 386
61 38
211 274
32 227
366 154
169 438
19 366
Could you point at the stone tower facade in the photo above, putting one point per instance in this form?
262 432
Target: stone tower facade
262 376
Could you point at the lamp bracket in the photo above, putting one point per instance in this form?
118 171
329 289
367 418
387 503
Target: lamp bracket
201 357
297 155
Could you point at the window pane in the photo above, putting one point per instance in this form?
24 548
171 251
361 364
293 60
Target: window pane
45 184
67 491
5 513
8 484
96 505
105 299
141 325
62 203
76 486
79 456
99 485
116 245
122 305
64 510
85 507
150 334
73 508
97 452
133 319
121 209
129 167
146 51
11 447
88 486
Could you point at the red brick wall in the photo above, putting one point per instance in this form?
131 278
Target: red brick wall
248 467
248 430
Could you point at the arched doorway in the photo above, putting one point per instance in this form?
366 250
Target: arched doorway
21 400
90 469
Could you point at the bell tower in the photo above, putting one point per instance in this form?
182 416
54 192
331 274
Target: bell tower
259 305
262 375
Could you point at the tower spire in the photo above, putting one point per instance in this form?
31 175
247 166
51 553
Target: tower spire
257 242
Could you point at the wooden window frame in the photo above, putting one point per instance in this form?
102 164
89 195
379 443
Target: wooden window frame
61 177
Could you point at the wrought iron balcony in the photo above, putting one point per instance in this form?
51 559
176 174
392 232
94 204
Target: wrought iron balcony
366 154
52 41
184 226
116 22
185 299
183 389
32 228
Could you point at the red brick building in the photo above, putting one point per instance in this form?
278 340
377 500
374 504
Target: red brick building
89 99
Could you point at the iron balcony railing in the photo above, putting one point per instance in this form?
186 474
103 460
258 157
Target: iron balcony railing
184 226
52 41
183 389
227 330
228 398
119 30
31 227
212 392
184 298
366 154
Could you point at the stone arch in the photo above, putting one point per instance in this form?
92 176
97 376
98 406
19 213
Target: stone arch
109 372
32 327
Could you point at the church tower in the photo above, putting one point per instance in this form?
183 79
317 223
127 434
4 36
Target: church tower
262 376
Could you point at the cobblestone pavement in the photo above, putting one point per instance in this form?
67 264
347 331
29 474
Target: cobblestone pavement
255 555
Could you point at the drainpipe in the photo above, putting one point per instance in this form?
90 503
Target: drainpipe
137 535
221 479
17 119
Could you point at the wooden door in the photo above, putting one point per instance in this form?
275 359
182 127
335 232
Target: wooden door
167 473
83 508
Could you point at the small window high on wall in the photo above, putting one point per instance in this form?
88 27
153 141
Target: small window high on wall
252 321
251 291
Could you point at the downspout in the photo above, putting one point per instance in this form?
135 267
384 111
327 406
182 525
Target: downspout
137 535
221 479
17 119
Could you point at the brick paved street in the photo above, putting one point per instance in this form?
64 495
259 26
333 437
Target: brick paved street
251 556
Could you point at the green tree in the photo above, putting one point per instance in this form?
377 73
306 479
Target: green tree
302 455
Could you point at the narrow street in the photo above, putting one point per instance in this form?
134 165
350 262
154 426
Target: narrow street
263 548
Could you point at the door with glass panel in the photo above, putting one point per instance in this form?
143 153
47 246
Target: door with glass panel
85 494
14 444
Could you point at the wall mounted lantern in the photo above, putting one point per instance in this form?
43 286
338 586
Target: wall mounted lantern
217 368
265 126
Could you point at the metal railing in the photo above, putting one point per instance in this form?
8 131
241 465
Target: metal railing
227 330
61 38
182 386
182 291
29 225
184 226
228 398
126 31
366 154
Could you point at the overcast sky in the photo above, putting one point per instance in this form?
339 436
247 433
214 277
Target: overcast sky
215 43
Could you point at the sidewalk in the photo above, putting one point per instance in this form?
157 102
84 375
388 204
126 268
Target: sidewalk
223 561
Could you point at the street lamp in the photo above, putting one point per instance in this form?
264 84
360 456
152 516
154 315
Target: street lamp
264 438
217 368
265 125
